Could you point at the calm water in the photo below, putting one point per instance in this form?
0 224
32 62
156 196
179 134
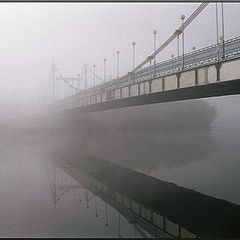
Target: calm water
28 210
202 155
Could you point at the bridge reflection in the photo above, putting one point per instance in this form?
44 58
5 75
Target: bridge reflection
153 207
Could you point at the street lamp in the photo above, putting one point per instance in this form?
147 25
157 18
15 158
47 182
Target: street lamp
183 17
133 44
193 48
177 32
223 45
154 48
172 56
118 65
78 81
217 44
94 71
104 69
85 75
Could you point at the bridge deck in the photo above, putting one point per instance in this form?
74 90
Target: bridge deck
206 76
210 90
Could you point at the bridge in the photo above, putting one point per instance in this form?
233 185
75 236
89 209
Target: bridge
208 72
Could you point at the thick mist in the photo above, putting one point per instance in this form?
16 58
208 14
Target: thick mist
192 143
147 137
72 34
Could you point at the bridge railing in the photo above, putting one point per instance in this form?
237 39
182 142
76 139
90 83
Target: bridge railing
199 57
194 60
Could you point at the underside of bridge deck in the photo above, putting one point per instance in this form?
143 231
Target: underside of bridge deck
196 92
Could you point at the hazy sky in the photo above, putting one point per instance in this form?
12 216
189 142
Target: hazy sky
33 34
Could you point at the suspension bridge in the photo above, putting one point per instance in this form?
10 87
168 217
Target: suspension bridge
208 72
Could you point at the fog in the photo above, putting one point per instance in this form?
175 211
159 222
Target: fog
167 135
71 34
193 143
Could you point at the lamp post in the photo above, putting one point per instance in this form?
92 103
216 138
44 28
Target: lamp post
154 48
85 75
177 32
223 45
133 44
78 83
193 48
94 71
118 67
172 56
217 46
104 69
183 17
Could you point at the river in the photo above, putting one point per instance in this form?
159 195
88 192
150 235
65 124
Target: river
194 144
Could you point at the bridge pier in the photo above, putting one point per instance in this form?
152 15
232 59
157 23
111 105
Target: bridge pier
218 67
196 76
178 79
163 83
205 75
150 86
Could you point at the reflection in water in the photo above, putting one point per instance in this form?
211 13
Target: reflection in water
89 190
153 207
185 143
136 214
26 205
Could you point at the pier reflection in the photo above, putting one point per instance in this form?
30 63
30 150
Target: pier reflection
65 179
154 208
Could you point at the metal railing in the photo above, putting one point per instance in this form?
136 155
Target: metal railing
195 59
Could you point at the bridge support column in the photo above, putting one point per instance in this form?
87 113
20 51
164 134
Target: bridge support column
218 67
163 83
196 77
206 75
150 86
178 79
113 94
120 92
129 91
139 89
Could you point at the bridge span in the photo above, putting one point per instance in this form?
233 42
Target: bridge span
204 74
